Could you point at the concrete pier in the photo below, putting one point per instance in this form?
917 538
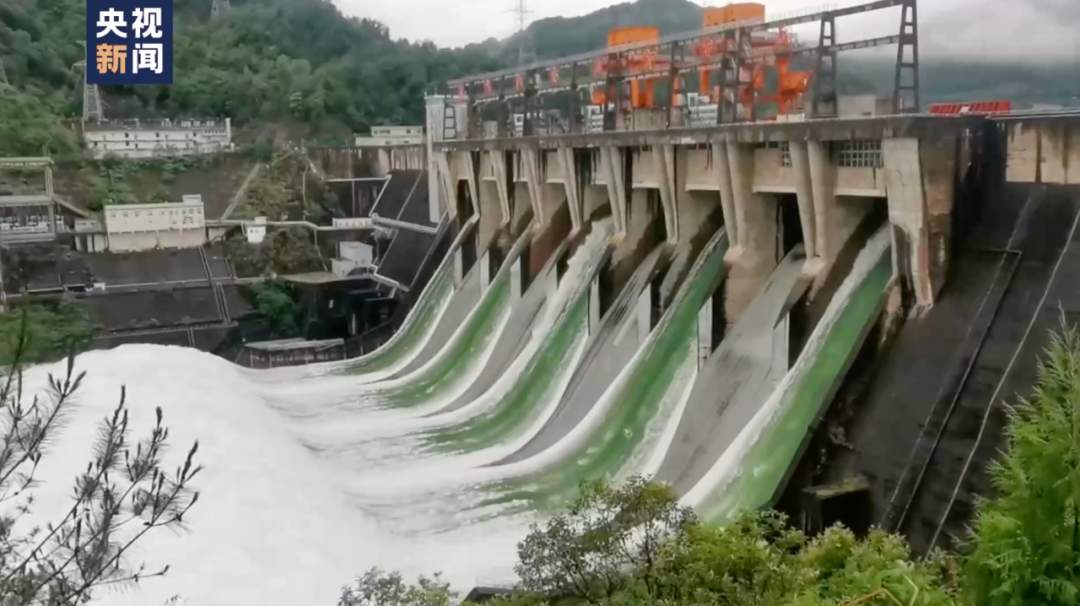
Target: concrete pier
664 184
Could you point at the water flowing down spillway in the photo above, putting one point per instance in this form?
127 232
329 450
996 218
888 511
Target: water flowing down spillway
436 452
751 469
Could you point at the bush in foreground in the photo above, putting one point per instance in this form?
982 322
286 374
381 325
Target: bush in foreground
124 493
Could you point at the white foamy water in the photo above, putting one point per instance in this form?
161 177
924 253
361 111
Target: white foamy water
277 524
301 493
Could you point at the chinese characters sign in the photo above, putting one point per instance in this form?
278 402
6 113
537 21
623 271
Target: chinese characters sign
129 41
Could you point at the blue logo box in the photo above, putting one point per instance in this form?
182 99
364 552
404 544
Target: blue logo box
129 41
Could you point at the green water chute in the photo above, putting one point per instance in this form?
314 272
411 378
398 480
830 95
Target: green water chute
509 417
766 464
450 366
652 379
411 336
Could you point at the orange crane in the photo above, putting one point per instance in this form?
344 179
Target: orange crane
791 84
640 66
646 60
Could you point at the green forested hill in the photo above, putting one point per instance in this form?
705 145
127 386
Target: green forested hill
560 36
267 60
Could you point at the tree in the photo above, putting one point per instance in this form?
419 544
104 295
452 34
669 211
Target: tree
753 560
123 494
28 128
1026 541
50 331
588 551
275 303
378 588
635 545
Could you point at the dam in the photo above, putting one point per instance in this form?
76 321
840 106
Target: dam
800 302
770 280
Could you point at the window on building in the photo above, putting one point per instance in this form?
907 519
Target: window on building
861 153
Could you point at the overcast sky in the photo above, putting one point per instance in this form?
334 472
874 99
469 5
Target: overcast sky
990 28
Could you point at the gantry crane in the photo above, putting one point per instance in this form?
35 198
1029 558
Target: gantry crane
729 57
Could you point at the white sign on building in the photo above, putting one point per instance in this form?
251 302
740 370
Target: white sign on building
255 232
384 136
352 222
134 227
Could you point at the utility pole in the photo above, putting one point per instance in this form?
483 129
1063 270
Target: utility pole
526 54
219 8
93 109
3 287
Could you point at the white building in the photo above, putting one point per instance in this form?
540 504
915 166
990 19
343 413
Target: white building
393 148
134 139
390 136
351 257
135 227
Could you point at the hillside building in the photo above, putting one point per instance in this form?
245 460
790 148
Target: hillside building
135 139
138 227
390 148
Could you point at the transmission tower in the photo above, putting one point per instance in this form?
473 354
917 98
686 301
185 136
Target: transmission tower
526 53
219 8
5 85
92 109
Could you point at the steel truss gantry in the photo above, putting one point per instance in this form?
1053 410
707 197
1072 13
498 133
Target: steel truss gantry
520 87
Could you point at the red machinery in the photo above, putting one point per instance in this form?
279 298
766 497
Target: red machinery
984 108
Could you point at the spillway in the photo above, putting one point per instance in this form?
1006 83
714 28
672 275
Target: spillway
752 468
485 413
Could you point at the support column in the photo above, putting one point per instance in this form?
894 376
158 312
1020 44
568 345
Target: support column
612 163
445 182
705 331
594 304
664 163
722 169
471 181
741 165
823 190
754 257
52 200
907 214
938 160
573 187
498 167
804 192
530 163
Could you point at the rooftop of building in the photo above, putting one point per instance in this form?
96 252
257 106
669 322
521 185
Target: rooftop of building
166 123
295 344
